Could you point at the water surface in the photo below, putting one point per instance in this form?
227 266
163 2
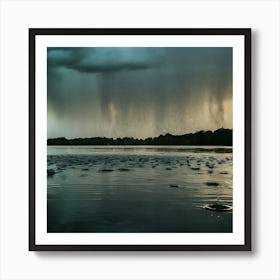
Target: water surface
138 188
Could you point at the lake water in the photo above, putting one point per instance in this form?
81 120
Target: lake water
138 188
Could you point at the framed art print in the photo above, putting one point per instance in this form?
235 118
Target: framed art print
140 139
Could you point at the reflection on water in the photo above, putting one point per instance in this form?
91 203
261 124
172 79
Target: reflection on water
138 189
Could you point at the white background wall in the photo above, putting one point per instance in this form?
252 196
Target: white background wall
17 262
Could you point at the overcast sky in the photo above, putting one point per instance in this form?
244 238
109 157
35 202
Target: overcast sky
138 92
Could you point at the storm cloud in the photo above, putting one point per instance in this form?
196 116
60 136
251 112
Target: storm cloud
139 92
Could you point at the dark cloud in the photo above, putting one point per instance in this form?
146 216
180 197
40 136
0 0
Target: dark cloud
138 92
97 60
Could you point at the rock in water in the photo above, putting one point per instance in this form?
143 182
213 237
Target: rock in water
213 184
106 170
51 172
195 168
174 186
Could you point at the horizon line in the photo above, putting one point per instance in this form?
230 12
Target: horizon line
167 133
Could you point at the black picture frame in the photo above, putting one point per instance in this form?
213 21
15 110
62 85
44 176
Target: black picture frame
246 32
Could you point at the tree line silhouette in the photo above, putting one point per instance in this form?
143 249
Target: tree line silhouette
220 136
